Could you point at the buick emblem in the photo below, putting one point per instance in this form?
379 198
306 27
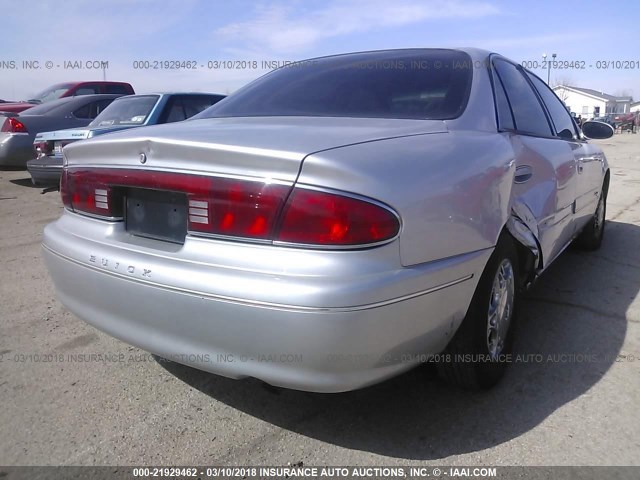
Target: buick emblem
143 158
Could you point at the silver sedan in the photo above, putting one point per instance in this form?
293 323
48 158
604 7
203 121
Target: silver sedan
334 223
17 131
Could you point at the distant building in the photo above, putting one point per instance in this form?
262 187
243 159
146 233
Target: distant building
591 103
635 107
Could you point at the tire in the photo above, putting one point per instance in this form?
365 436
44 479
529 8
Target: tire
477 356
592 234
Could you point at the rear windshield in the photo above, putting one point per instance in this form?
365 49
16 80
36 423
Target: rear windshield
48 107
51 93
418 84
126 111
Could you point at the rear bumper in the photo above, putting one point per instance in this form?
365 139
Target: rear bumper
327 332
46 170
15 149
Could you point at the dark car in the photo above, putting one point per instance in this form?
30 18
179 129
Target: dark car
127 112
68 89
608 118
17 131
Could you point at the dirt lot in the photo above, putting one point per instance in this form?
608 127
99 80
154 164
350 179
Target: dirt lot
131 409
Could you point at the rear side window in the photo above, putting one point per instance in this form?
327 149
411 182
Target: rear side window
116 89
562 121
86 91
83 112
173 111
100 105
92 109
194 104
527 111
505 117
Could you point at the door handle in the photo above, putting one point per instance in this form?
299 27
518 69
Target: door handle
523 174
580 166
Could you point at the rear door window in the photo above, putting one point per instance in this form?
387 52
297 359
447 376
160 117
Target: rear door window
173 111
99 106
83 112
528 114
194 104
562 121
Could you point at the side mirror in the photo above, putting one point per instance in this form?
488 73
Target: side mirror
597 130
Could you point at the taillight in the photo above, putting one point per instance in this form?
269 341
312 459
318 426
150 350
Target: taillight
43 148
13 125
217 206
320 218
239 208
90 191
65 195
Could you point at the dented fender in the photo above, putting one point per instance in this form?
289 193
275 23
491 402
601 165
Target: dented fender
523 225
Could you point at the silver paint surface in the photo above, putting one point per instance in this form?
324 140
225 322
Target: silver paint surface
355 316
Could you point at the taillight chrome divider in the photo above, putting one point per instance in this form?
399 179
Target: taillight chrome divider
242 209
102 198
198 211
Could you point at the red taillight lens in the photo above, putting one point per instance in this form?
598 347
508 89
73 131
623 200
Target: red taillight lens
217 206
320 218
64 190
90 191
238 208
13 125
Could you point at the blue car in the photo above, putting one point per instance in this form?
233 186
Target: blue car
124 113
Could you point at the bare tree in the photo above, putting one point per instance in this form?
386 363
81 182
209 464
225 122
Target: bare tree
563 82
623 93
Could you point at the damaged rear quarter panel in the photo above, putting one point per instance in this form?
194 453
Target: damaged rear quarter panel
452 190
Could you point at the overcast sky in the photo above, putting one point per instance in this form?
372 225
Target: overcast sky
121 32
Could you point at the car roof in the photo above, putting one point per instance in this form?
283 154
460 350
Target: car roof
81 82
173 93
167 94
54 104
474 53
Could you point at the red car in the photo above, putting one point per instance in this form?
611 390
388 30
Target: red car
68 89
626 121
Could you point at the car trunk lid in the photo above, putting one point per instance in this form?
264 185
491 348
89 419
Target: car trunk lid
230 178
264 147
59 139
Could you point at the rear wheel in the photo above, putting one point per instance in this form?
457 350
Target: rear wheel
591 236
477 356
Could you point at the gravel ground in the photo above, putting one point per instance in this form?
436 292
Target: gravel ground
554 411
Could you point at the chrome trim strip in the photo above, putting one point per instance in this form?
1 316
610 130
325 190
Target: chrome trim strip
96 216
261 304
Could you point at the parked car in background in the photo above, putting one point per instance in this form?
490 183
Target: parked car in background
69 89
18 131
127 112
624 121
326 228
608 118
